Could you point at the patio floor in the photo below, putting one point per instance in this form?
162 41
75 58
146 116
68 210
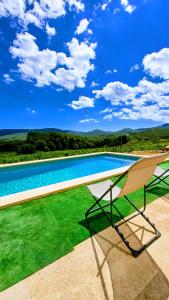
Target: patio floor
101 267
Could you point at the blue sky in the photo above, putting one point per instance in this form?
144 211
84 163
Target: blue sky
83 65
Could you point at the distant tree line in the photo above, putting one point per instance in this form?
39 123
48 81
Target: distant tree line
153 134
52 141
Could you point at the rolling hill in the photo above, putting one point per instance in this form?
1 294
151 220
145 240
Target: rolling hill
21 134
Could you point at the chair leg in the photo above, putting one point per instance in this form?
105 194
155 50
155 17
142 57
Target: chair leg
135 252
101 208
157 234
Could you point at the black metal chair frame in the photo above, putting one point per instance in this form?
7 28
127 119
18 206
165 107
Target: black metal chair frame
135 252
158 179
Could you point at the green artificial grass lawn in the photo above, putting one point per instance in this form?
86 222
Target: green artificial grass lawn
34 234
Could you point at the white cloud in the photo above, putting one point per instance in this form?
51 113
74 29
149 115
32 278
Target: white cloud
83 102
37 11
34 64
82 27
88 121
104 5
152 112
108 72
59 90
47 9
15 8
145 94
89 31
116 10
160 88
30 110
106 110
78 64
127 7
45 66
50 30
93 84
134 68
146 100
8 79
157 63
117 92
79 6
108 117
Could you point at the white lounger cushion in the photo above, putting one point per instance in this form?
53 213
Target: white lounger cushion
98 189
159 171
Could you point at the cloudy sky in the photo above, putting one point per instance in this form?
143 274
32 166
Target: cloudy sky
81 65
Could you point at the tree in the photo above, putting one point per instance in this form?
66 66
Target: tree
40 145
51 146
26 149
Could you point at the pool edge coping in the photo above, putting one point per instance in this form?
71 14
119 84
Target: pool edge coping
66 157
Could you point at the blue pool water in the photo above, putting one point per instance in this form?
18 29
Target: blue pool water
25 177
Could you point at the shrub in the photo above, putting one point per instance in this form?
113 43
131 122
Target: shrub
26 149
7 146
40 145
46 148
51 146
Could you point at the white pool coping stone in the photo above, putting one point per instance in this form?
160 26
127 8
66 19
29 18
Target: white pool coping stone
28 195
68 157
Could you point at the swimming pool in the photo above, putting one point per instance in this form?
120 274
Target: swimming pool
24 177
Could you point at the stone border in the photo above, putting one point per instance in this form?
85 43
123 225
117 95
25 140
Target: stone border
28 195
67 157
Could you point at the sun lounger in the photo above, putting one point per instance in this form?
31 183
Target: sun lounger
137 176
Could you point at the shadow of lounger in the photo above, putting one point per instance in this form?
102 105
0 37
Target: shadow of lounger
131 278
